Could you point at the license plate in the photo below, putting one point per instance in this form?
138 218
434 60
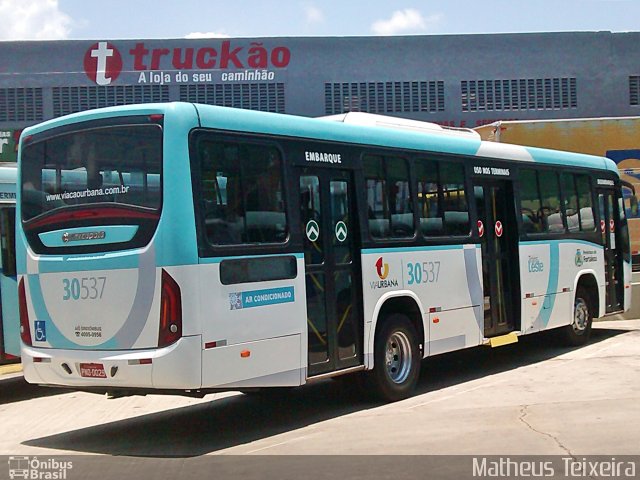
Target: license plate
92 370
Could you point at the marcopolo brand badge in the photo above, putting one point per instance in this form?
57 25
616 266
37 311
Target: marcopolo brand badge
84 236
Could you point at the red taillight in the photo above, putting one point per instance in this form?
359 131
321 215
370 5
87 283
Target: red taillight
170 311
98 213
25 330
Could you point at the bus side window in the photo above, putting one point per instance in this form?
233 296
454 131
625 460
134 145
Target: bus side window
242 194
625 245
570 202
585 196
530 203
442 201
550 211
388 195
578 202
264 197
454 201
377 196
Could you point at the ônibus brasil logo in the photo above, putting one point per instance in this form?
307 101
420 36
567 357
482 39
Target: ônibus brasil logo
102 63
382 269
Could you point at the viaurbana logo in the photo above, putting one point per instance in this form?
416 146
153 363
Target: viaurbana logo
37 469
382 269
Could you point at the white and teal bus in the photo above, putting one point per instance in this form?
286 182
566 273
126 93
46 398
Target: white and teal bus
181 248
9 324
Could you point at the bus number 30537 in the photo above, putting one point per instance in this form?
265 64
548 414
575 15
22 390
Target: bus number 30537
425 272
85 288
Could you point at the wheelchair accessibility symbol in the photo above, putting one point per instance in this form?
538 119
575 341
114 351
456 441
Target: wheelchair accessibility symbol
41 331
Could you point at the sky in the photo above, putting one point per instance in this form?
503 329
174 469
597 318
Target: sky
126 19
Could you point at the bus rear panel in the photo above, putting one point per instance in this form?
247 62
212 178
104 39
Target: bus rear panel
100 300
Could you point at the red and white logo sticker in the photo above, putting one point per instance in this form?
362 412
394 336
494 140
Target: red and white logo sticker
480 228
602 226
612 226
499 228
102 63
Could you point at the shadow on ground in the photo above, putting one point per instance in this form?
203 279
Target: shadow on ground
240 419
16 389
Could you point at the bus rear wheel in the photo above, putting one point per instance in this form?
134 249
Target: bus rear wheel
396 359
579 331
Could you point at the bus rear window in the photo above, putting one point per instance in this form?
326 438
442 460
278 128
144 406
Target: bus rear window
115 165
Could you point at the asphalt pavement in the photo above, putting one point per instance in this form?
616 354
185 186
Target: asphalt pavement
535 397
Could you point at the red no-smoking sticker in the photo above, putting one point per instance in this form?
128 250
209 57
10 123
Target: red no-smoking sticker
612 226
602 226
480 228
499 228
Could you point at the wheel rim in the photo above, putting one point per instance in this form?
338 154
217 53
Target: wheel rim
398 357
580 316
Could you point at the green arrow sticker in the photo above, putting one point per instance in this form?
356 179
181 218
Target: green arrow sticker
312 230
341 231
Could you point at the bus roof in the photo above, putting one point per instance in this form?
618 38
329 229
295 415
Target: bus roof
225 118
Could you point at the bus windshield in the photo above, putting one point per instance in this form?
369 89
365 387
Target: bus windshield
116 164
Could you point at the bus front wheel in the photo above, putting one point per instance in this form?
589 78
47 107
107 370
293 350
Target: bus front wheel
396 359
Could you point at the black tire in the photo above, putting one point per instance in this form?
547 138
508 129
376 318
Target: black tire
579 331
396 359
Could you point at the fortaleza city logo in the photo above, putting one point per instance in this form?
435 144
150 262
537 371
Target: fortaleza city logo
585 256
382 269
38 468
226 62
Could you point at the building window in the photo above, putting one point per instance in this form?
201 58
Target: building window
384 97
265 97
68 100
519 94
21 105
634 90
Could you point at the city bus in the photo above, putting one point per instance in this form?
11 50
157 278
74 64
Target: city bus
617 138
184 249
9 323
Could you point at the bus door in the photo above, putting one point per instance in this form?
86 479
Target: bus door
333 272
9 322
498 232
612 242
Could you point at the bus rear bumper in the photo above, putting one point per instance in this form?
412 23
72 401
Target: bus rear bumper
177 366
